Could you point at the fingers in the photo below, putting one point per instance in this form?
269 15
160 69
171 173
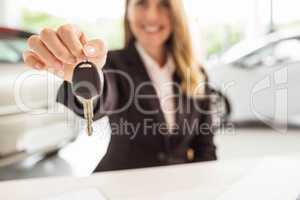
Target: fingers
32 60
57 48
59 51
39 48
70 36
95 50
83 39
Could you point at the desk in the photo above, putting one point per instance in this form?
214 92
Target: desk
209 180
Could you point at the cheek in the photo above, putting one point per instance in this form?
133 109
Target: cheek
134 21
168 25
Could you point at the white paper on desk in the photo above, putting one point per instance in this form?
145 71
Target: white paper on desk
90 194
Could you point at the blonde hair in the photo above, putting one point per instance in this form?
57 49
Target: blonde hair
180 46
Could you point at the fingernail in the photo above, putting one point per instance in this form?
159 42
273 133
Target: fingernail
38 66
89 50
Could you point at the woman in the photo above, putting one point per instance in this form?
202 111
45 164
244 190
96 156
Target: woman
153 122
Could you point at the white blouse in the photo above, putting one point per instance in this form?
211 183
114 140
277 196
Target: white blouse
162 78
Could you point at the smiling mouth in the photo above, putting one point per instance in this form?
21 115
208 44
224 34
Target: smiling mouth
152 28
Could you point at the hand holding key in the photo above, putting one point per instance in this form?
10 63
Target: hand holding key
59 51
65 53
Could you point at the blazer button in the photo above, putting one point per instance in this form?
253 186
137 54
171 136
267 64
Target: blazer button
190 154
161 157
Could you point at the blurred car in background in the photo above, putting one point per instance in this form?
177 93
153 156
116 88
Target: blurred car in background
260 78
31 122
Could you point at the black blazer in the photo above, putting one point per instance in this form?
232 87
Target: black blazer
138 137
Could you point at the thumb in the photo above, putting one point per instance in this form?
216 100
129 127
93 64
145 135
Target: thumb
95 51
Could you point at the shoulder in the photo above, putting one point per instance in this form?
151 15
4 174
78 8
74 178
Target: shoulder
115 58
204 73
115 54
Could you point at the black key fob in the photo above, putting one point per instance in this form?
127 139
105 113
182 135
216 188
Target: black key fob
87 80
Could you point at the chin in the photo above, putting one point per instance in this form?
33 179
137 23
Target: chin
154 42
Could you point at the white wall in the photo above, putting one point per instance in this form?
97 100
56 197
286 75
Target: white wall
10 12
259 18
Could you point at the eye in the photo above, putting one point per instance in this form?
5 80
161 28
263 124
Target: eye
165 3
141 2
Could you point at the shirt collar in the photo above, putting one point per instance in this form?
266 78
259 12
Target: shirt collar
151 65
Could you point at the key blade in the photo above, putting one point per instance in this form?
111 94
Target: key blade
89 129
88 114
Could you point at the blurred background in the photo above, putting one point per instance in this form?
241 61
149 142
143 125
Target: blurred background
250 48
218 25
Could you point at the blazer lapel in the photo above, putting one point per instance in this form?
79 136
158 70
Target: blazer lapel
179 102
139 75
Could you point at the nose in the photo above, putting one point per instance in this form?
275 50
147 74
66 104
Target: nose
152 13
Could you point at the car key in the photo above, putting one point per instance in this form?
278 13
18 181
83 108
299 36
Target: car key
87 85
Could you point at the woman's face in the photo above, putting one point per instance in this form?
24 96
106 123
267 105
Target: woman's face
150 22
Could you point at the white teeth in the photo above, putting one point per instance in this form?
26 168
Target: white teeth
151 29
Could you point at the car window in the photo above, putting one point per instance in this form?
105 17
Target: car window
287 50
273 54
257 58
11 50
